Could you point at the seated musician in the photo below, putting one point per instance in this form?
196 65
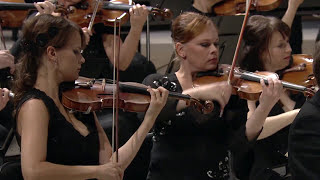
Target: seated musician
188 144
56 143
267 48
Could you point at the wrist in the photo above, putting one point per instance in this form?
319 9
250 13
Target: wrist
136 29
96 171
293 7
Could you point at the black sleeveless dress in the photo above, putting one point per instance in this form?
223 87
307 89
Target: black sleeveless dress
65 144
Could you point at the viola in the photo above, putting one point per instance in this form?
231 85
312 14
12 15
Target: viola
91 95
108 12
247 84
232 7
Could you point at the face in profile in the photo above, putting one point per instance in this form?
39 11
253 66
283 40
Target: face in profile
70 59
202 52
278 54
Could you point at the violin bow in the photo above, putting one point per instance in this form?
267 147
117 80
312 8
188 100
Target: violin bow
95 10
244 23
115 121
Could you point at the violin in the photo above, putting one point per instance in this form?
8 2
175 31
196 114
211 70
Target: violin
232 7
108 12
90 95
14 12
247 84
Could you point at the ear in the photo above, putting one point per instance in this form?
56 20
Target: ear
180 50
52 54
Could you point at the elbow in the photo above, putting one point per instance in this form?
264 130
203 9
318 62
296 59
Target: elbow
123 67
31 173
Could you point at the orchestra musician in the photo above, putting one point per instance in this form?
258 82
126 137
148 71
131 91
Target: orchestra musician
186 143
99 56
56 143
267 48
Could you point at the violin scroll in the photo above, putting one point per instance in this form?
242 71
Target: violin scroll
164 14
205 108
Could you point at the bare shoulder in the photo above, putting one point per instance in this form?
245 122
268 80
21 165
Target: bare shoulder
33 111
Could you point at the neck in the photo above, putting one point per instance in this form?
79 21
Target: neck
185 77
47 82
204 6
267 67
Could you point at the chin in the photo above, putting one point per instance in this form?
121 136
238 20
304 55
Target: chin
72 78
211 67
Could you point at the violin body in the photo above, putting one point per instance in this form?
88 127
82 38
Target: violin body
12 18
247 85
245 89
83 13
232 7
99 96
303 77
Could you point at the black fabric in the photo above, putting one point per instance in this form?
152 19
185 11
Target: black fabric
270 152
304 141
191 145
65 144
98 65
11 171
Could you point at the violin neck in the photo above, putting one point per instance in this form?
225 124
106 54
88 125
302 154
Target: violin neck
141 90
121 7
16 6
256 78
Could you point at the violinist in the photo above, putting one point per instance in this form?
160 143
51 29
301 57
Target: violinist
186 143
267 48
56 143
99 64
304 133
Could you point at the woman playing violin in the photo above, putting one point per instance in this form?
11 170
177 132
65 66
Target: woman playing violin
186 143
267 48
56 143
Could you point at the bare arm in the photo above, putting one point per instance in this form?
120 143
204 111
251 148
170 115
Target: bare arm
293 6
128 151
138 16
4 97
219 91
34 132
275 123
269 97
7 60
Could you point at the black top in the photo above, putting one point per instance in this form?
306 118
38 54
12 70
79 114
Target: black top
304 141
191 145
270 152
65 144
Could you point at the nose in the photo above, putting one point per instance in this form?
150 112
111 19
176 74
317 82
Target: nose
214 48
288 48
82 60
